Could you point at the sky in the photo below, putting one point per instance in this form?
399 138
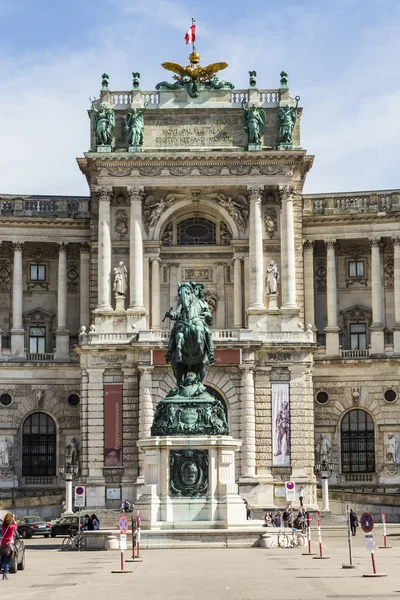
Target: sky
342 58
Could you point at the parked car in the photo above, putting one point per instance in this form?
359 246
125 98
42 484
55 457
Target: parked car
29 526
17 562
65 526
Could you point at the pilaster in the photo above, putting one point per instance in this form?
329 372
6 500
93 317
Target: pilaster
62 333
332 329
396 326
377 328
17 331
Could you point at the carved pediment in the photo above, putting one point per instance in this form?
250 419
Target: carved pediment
38 315
357 313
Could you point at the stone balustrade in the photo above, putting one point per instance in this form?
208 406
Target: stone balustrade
352 202
75 207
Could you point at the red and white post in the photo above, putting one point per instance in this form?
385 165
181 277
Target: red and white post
384 532
138 521
308 535
321 556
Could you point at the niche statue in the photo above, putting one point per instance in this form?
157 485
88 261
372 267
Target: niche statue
134 122
287 117
103 124
253 122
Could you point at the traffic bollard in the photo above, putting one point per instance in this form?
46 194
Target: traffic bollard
308 535
321 556
384 533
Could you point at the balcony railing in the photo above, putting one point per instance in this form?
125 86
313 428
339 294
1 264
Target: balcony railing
75 207
354 353
40 357
352 202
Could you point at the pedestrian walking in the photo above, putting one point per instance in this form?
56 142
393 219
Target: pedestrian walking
353 521
285 517
248 511
9 527
301 495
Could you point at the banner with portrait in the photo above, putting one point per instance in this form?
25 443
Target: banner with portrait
280 425
113 425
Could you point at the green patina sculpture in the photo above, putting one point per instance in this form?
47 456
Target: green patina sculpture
287 117
134 121
253 78
105 80
136 79
253 122
188 472
188 408
103 124
284 79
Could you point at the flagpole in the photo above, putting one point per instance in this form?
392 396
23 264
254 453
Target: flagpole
194 48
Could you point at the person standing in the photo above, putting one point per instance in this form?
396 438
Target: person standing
301 495
353 522
9 527
285 517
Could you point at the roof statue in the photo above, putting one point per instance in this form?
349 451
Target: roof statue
194 76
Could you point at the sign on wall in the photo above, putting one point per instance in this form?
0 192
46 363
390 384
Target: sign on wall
280 425
113 425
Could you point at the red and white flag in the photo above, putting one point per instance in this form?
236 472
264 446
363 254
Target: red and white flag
191 34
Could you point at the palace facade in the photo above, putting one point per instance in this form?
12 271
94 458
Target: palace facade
196 201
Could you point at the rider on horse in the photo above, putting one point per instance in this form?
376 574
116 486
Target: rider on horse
201 323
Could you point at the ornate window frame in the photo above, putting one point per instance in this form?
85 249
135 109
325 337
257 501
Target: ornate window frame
351 280
39 318
31 284
352 315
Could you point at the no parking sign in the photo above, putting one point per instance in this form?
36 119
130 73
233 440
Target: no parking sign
290 487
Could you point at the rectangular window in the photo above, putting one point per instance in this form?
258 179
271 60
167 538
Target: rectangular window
38 273
37 340
358 336
356 268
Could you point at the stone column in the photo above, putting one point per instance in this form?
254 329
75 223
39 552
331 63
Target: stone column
136 304
237 292
220 312
309 308
288 259
256 286
396 326
104 251
84 279
173 284
155 293
377 328
332 329
62 333
17 331
248 424
146 410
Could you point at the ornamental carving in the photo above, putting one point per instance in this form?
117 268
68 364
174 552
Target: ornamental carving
135 194
72 276
202 417
270 222
109 358
195 171
40 254
197 274
279 356
166 236
121 223
237 208
225 234
287 192
188 472
104 194
5 275
212 301
389 271
154 207
320 274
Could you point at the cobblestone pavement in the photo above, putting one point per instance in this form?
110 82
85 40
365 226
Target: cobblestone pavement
210 574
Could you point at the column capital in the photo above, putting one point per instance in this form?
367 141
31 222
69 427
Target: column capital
287 192
330 244
104 193
375 242
17 246
396 241
62 247
84 247
236 257
308 244
136 193
255 192
155 259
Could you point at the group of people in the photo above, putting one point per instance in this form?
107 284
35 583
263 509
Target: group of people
90 523
287 518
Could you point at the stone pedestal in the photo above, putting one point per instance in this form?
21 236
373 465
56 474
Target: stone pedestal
252 147
104 148
272 302
189 482
135 149
120 304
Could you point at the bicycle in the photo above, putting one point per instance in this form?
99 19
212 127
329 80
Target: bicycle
75 541
294 539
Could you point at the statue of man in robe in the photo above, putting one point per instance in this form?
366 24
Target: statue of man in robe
120 284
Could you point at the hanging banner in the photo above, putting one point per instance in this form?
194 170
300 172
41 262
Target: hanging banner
113 426
280 425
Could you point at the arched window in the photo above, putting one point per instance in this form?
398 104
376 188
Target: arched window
358 442
196 232
39 446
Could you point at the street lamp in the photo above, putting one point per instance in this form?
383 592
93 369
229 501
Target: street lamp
68 472
324 470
